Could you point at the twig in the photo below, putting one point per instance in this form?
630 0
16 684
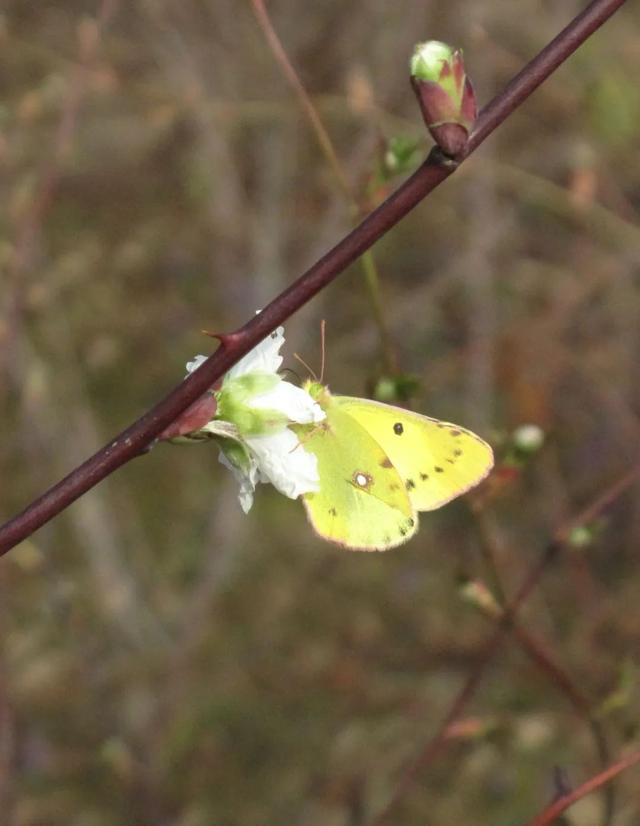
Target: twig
30 223
580 704
62 140
369 266
560 805
137 438
291 75
537 652
437 742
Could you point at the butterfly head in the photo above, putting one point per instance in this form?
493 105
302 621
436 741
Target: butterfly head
318 392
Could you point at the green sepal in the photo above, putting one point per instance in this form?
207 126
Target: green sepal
236 452
234 404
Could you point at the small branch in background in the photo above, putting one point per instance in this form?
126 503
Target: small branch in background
435 745
369 266
89 36
89 32
138 436
288 70
505 622
544 64
8 721
493 609
561 804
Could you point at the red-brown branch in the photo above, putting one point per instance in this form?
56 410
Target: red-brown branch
136 438
553 811
436 743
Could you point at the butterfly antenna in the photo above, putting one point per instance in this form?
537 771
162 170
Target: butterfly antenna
322 349
305 365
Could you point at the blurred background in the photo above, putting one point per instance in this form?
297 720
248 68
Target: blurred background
166 659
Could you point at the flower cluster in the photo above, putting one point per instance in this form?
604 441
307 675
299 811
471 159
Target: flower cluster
255 407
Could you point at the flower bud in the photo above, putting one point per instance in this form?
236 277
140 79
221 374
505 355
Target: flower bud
528 438
477 594
445 94
399 387
581 536
400 156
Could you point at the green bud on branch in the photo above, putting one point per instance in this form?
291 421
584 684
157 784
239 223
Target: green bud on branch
446 96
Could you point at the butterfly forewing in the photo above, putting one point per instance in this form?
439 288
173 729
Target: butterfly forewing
437 461
362 503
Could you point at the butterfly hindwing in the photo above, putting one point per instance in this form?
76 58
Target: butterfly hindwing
362 503
437 461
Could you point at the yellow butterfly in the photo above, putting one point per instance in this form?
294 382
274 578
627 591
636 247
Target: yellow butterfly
379 465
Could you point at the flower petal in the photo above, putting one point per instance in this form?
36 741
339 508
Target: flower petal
293 402
197 361
284 462
247 478
264 358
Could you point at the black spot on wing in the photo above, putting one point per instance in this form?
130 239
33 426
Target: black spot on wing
398 429
386 462
333 512
438 469
409 484
424 476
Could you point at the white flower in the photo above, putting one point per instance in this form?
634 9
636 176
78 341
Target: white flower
264 358
528 437
247 477
261 405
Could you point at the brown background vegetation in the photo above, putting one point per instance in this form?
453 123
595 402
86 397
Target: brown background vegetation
166 659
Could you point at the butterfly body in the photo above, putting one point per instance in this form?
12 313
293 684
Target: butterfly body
379 465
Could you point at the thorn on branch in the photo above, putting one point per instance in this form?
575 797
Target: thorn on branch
227 340
561 784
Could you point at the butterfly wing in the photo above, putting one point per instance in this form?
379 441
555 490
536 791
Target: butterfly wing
362 503
437 461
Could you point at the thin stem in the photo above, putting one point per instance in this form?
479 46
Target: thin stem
369 267
322 136
137 438
581 705
552 812
539 69
433 747
30 225
372 278
536 651
437 742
